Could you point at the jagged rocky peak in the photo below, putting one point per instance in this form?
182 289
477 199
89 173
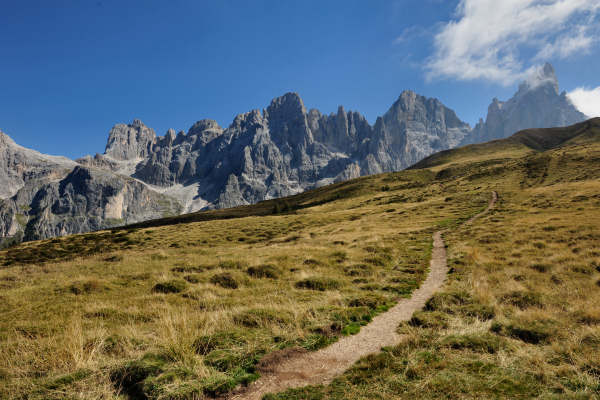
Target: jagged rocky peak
289 104
206 130
341 131
5 140
127 142
417 126
288 121
541 77
536 104
428 115
412 106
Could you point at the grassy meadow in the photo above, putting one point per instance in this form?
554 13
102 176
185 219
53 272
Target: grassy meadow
186 308
187 311
519 316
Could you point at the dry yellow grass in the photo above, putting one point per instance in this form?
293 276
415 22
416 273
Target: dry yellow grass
185 311
236 289
519 315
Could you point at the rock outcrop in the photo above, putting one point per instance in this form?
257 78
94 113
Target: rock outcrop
537 104
126 142
286 149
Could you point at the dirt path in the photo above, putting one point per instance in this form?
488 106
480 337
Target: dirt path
321 367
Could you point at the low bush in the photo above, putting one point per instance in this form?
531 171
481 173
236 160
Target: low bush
131 376
541 267
371 301
522 299
193 278
483 343
320 284
263 271
172 286
532 331
225 280
67 379
86 287
429 319
261 317
203 345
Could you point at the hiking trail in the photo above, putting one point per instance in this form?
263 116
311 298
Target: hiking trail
296 368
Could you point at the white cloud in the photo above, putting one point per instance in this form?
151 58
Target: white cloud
501 40
412 33
586 100
567 45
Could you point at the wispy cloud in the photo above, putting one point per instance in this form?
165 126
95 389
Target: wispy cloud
501 41
587 100
577 41
412 33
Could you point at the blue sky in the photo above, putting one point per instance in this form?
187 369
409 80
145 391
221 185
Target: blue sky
70 70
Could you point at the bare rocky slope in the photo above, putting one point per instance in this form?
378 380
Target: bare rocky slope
279 151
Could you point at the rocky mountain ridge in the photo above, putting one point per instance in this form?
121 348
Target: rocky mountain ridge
537 104
263 154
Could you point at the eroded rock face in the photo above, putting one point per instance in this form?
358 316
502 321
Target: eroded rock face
84 200
537 104
19 166
285 149
126 142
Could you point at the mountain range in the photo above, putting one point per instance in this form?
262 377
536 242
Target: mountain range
282 150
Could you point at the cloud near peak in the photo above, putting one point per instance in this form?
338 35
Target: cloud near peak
586 100
501 41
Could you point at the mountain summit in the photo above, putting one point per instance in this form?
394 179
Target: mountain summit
537 104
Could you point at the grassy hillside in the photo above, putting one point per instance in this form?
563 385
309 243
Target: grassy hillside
186 307
520 314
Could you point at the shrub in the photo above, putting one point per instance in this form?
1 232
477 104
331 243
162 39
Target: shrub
311 261
534 332
379 260
113 344
218 386
263 271
260 317
429 319
320 284
541 267
86 287
339 256
188 269
130 377
221 340
229 360
225 280
479 311
485 343
522 299
172 286
115 258
459 302
68 379
371 301
194 278
445 300
588 317
230 264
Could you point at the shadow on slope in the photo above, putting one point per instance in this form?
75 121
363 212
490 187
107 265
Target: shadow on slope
518 145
